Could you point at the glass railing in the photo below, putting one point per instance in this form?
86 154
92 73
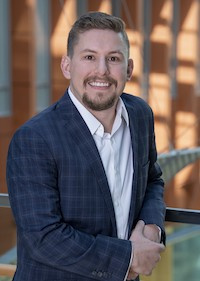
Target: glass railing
181 259
8 253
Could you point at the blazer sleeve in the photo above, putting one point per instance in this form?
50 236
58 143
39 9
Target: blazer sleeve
32 178
153 208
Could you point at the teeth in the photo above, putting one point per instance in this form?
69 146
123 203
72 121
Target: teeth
99 84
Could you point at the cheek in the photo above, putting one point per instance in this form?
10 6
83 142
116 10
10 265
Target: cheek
77 78
122 76
78 73
120 71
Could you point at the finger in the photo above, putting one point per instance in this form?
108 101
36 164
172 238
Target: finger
162 248
132 274
139 226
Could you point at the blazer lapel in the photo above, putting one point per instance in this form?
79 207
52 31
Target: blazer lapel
82 137
133 131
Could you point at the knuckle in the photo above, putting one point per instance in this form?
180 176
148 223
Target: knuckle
148 272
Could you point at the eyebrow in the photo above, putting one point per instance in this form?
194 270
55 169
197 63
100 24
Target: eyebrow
94 52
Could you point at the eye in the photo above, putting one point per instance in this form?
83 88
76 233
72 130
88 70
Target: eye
113 59
89 57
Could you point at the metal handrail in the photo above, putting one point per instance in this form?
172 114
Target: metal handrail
172 214
4 200
183 215
7 270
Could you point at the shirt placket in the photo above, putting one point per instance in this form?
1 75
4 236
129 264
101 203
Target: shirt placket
117 190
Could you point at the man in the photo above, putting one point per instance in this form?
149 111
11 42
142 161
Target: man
84 185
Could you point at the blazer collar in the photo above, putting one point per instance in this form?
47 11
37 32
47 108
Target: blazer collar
133 121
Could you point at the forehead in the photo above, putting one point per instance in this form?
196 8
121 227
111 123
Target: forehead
101 40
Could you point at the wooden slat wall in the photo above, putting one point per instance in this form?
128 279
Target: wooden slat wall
173 117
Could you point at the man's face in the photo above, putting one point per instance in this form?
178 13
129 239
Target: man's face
98 69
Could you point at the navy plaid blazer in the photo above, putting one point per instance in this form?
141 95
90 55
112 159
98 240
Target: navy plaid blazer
60 198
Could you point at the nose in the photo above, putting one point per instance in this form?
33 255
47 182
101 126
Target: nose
102 67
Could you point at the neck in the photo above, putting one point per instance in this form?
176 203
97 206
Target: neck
106 117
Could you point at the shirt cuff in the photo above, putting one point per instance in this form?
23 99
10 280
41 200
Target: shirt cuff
160 233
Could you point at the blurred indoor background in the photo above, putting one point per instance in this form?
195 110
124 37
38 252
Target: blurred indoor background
165 46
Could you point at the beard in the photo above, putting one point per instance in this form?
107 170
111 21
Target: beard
99 103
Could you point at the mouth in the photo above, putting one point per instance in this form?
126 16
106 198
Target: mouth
99 83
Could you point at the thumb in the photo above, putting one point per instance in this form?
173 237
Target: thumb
139 226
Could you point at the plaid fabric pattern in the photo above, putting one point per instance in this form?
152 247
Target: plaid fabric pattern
61 201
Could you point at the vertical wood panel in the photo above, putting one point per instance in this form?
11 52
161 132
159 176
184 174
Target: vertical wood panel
23 60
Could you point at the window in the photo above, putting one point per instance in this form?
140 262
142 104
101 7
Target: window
146 29
173 54
5 73
42 21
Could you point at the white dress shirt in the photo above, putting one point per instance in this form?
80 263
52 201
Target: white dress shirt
115 150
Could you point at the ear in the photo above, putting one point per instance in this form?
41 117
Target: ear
130 69
65 66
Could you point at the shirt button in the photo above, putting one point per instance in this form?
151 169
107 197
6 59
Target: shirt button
116 203
116 169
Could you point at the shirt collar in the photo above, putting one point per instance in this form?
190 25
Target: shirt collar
122 111
91 121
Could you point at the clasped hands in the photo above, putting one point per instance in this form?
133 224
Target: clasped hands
146 249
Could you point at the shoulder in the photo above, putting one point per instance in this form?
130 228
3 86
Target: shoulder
136 104
39 121
45 120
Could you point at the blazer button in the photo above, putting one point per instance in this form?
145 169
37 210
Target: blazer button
100 274
94 273
105 275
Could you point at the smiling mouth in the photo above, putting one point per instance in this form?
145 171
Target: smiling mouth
99 84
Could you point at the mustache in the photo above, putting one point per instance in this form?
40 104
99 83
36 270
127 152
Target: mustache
96 78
